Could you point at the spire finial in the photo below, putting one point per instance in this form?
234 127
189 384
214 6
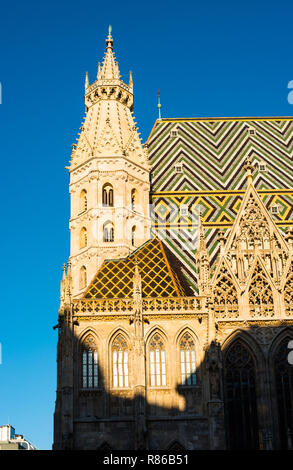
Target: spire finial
159 106
86 85
249 168
109 40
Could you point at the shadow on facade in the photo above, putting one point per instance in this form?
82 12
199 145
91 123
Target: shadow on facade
242 399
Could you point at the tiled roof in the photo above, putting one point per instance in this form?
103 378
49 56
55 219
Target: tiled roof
159 279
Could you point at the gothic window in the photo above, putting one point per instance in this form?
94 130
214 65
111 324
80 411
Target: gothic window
288 293
133 199
83 238
157 361
89 363
82 277
187 360
261 301
133 235
284 391
108 232
120 362
108 195
83 201
225 296
240 397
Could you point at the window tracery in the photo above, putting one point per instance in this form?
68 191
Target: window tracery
187 360
120 362
157 361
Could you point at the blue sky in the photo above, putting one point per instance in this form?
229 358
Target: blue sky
207 58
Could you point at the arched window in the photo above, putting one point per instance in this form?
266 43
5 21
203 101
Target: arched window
89 363
284 391
83 238
157 361
82 277
187 360
83 201
240 397
120 362
108 232
108 195
133 199
133 235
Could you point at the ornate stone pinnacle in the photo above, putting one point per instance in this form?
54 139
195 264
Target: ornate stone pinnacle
249 169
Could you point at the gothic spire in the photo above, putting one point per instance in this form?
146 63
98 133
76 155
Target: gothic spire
110 68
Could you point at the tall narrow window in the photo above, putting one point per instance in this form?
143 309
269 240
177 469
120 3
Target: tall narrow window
157 362
120 362
187 360
89 363
133 236
108 232
82 277
83 201
108 195
133 199
240 397
284 385
83 238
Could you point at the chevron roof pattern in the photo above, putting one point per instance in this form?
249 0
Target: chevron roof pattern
115 277
211 153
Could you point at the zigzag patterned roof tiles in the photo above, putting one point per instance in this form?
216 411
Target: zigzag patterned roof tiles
212 152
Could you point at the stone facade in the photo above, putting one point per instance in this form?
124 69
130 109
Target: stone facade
143 362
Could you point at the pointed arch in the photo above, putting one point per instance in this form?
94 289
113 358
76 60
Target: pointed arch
225 294
157 358
282 387
89 361
83 237
253 225
187 358
283 372
240 395
260 294
120 360
83 201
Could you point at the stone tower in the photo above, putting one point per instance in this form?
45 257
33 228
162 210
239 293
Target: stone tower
109 177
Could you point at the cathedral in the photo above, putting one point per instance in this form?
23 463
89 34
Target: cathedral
176 305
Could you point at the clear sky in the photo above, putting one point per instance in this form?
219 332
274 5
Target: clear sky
215 58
